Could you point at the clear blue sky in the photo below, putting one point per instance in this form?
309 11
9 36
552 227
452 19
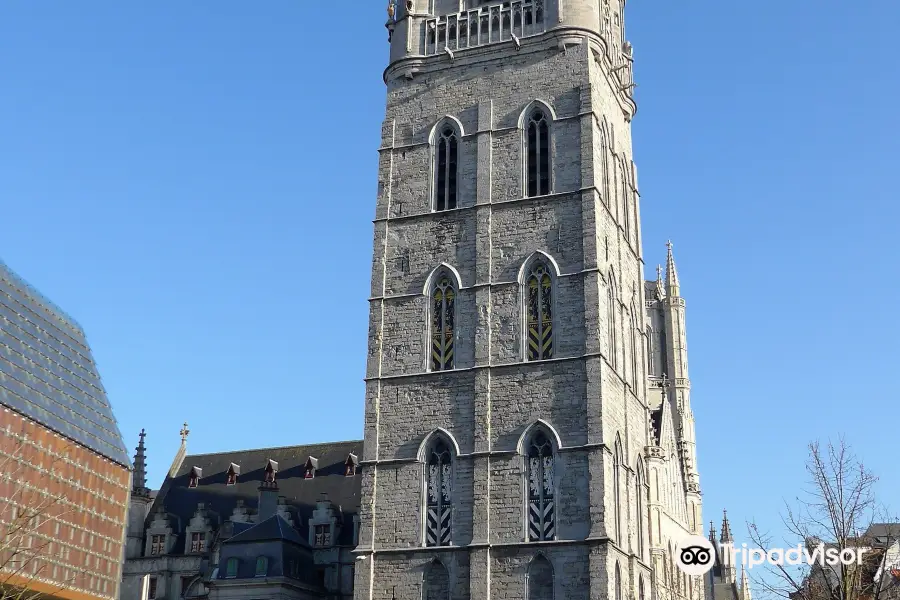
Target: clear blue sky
195 183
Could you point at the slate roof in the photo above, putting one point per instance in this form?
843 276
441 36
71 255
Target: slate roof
300 494
47 371
273 528
891 531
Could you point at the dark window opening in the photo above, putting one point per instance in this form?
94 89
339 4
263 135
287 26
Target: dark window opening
538 154
445 190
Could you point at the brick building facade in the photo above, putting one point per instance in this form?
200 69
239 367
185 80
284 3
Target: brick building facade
66 477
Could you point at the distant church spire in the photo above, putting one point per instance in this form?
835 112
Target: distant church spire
726 529
712 533
745 585
660 288
671 274
139 486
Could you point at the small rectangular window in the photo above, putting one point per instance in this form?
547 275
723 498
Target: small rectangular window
157 544
151 589
198 542
323 535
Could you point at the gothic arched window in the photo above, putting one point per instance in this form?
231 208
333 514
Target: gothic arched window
617 493
635 350
435 582
539 579
446 156
539 312
639 495
443 325
438 492
624 191
537 153
611 302
541 505
641 595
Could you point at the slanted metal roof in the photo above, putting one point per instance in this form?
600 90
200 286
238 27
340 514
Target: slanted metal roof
47 371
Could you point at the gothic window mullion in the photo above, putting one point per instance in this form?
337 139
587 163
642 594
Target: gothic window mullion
452 150
537 155
446 170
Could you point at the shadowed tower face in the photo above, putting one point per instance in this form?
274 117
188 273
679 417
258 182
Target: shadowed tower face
510 447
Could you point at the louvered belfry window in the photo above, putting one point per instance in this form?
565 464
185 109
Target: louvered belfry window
541 505
439 509
539 313
442 325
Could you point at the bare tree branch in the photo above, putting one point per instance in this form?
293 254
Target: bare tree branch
837 507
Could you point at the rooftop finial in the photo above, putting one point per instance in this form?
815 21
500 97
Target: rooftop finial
184 433
139 483
391 11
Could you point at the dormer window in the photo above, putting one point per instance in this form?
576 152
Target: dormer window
198 541
231 568
194 479
270 471
350 465
323 535
309 470
232 474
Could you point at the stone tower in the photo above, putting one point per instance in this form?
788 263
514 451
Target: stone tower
508 425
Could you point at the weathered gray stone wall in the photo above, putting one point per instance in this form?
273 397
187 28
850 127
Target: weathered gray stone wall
590 394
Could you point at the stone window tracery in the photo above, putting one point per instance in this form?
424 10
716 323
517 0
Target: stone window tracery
539 313
438 492
443 324
541 489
